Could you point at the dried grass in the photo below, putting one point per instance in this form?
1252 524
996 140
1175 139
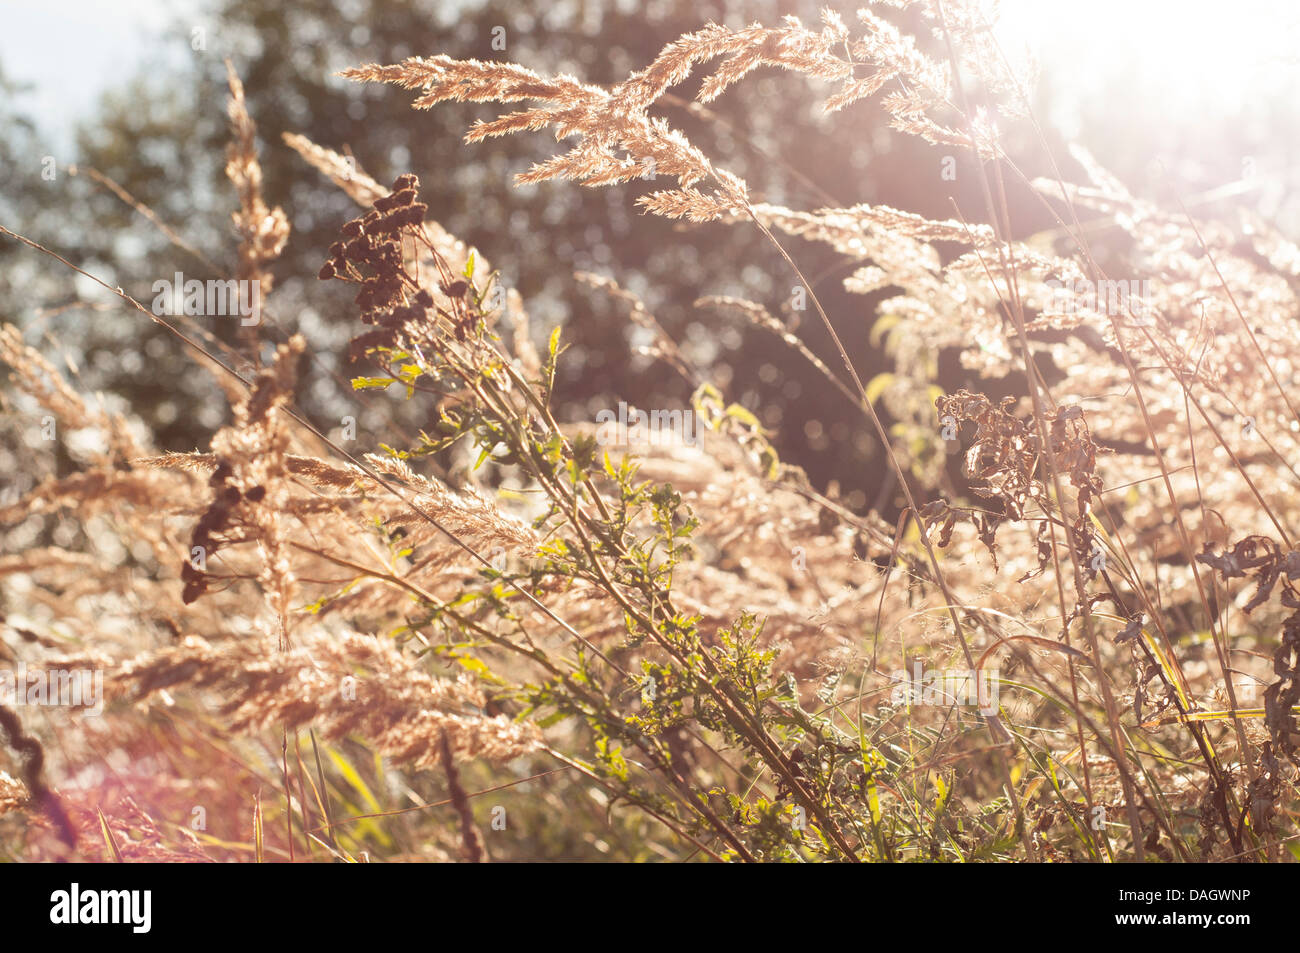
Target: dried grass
1106 521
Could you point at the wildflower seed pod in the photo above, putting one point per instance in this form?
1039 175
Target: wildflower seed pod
358 250
386 225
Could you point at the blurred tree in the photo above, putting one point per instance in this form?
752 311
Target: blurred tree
163 136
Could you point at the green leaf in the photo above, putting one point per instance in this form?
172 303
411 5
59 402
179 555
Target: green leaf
109 840
353 778
552 719
740 413
883 327
941 794
257 828
877 386
478 667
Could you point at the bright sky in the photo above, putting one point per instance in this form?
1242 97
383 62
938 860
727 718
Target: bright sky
71 51
1199 57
